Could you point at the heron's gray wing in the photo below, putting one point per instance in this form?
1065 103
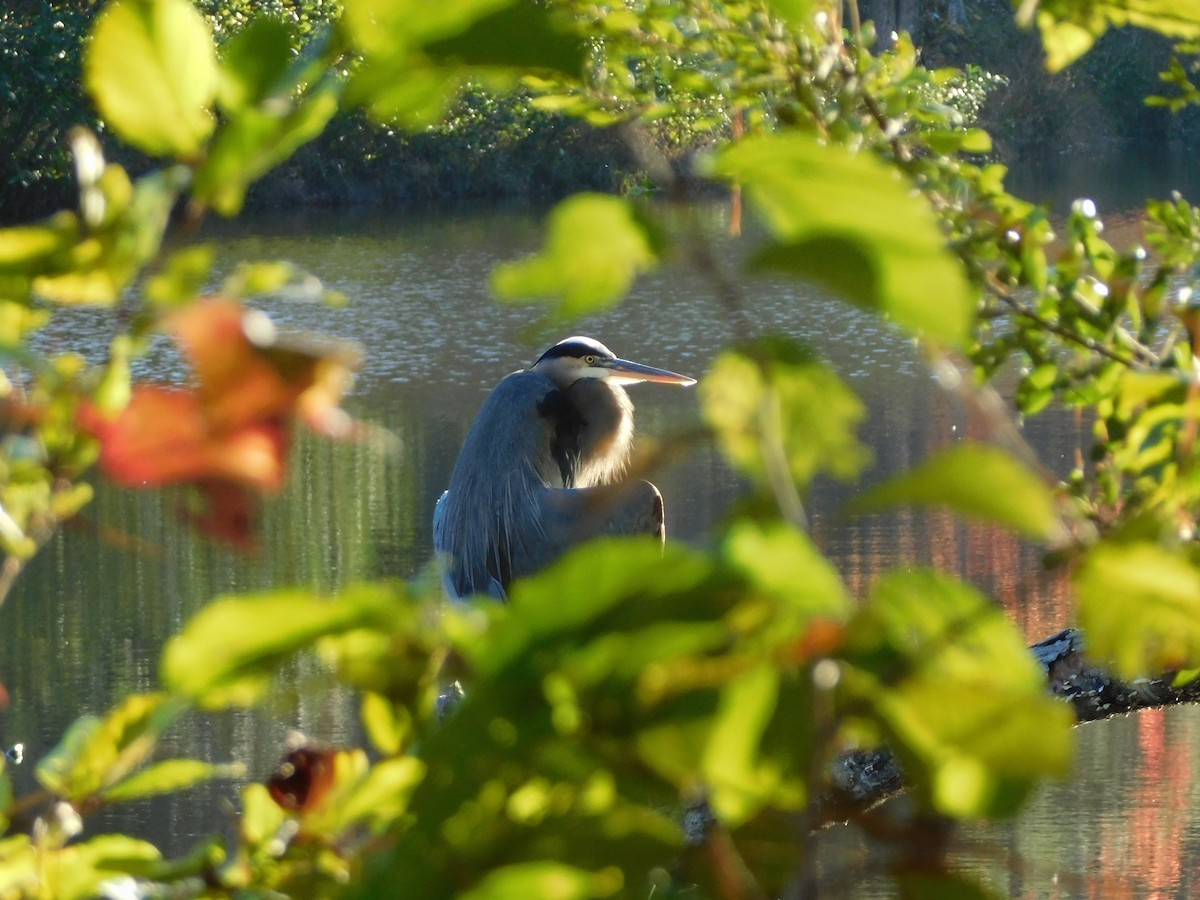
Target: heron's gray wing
492 511
570 516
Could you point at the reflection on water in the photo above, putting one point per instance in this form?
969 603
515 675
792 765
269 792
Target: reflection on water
88 620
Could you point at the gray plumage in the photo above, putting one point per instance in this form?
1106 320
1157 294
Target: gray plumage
541 468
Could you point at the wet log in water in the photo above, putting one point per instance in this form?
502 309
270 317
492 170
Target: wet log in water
863 779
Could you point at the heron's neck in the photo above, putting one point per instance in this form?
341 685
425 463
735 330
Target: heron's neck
605 436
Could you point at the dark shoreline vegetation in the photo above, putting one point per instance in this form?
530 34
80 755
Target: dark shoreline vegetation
497 150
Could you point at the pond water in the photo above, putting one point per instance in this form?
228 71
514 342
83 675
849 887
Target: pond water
89 617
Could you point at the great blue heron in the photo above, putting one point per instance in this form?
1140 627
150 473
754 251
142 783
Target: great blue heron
541 469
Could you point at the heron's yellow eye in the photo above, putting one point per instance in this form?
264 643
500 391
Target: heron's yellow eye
589 360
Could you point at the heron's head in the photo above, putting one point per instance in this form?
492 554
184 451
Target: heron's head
582 357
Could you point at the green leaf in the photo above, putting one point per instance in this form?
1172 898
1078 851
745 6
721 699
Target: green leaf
963 704
81 869
1139 608
152 69
921 885
227 654
96 753
253 63
519 35
168 776
256 140
545 879
783 561
388 727
393 28
853 223
975 480
261 818
23 248
739 781
380 796
1070 27
595 247
774 399
182 276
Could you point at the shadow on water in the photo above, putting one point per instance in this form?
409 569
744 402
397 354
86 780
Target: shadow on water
89 619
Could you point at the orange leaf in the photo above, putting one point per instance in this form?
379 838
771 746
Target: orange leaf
163 437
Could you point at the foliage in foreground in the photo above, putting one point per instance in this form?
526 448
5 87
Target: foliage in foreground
598 726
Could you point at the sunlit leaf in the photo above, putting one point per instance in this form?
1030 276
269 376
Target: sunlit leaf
1139 608
390 28
739 782
82 868
551 604
256 140
261 816
595 247
775 403
228 652
1070 27
152 69
976 480
545 879
23 247
376 796
784 561
168 776
963 704
96 753
181 277
851 222
387 727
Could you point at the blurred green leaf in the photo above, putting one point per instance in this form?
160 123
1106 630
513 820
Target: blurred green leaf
545 879
1070 27
379 797
777 558
24 247
152 69
520 35
917 885
413 97
166 777
261 818
976 480
257 139
253 63
853 223
82 868
1139 608
776 398
182 276
228 652
101 266
388 728
738 780
550 606
393 28
595 247
963 704
96 753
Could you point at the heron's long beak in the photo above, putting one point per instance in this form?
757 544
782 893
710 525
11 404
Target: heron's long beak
626 372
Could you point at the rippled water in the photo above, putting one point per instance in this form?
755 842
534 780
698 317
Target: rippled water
90 616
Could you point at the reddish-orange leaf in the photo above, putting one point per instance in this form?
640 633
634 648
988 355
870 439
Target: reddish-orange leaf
164 437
